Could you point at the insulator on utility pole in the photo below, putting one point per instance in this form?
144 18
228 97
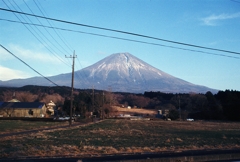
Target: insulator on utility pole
71 107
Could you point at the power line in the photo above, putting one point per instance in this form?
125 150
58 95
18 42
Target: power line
64 42
46 31
85 77
72 85
44 36
124 39
28 65
123 32
62 39
37 37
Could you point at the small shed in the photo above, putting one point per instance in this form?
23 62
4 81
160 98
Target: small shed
22 109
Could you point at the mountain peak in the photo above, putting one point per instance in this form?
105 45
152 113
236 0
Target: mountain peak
123 72
125 66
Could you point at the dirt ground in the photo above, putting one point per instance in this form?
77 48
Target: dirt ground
115 136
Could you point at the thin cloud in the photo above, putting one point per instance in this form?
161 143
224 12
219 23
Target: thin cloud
8 74
4 54
212 20
34 57
27 54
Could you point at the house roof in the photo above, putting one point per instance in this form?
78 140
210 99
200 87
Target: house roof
14 100
26 105
51 103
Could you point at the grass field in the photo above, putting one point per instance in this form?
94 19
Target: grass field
8 126
124 137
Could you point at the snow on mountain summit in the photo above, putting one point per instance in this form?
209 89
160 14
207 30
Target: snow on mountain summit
124 65
122 72
125 72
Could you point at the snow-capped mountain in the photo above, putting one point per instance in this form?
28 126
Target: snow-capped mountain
120 72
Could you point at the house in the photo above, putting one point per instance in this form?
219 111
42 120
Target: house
163 114
22 109
50 107
13 100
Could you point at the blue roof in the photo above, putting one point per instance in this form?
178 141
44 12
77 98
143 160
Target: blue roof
26 105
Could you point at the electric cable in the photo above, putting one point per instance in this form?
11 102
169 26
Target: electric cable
37 37
84 73
124 39
42 34
47 32
123 32
62 39
28 65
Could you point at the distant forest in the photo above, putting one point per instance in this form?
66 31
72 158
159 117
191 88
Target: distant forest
225 105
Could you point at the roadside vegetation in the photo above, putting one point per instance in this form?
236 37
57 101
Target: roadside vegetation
115 136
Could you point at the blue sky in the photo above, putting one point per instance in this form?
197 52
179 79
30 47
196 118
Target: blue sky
208 23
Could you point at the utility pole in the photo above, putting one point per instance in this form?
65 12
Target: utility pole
179 108
93 99
110 95
71 107
102 103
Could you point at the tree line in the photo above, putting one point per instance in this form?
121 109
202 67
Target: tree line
225 105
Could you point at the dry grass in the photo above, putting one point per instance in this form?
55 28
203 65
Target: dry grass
8 126
124 137
121 110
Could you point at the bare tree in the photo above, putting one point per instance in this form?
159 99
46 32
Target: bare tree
26 96
6 96
56 98
8 109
